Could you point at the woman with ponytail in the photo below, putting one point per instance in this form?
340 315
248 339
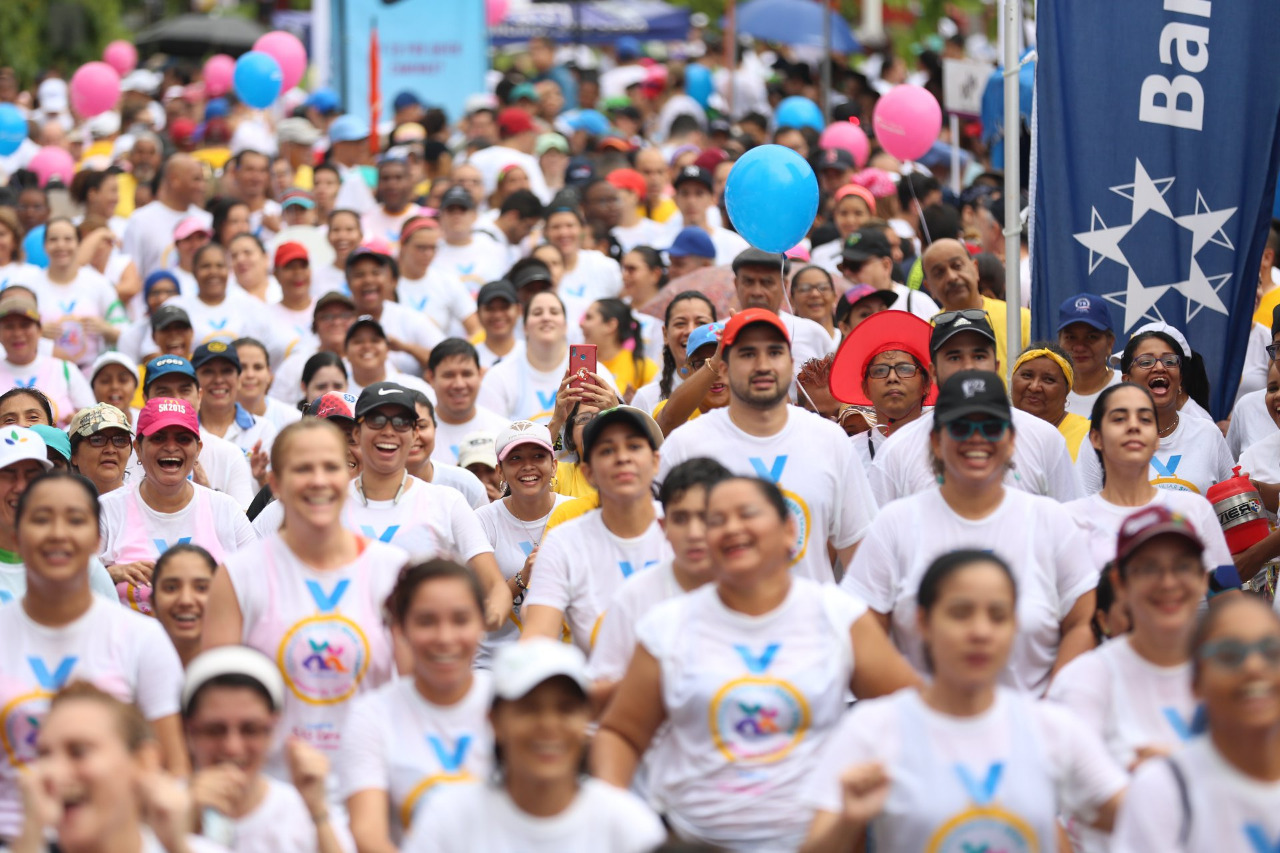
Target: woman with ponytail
610 325
686 312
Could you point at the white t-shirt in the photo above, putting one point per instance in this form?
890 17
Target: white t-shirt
405 380
461 480
492 160
749 701
13 579
476 264
915 302
1229 811
1261 460
405 324
1042 465
898 730
1040 543
379 223
513 541
428 521
223 463
442 297
594 276
292 328
248 429
124 653
648 397
149 233
18 272
328 279
813 463
480 818
399 743
488 358
122 541
1190 459
638 595
280 414
646 232
728 244
449 436
61 381
281 822
513 389
89 294
237 316
1250 422
582 589
1101 522
1082 404
808 339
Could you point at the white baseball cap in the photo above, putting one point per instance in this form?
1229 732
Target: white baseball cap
522 432
520 667
233 660
18 444
477 447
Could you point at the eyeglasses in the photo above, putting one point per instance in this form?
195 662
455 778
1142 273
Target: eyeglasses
583 420
992 429
1181 571
904 369
973 315
1146 362
117 440
805 289
1271 351
218 731
399 423
1231 654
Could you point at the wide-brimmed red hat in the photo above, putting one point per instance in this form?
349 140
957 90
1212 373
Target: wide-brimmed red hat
881 332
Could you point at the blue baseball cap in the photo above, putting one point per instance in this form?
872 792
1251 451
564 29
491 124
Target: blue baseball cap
406 99
54 439
216 108
166 364
692 241
627 47
323 100
1085 308
703 335
348 128
592 121
155 278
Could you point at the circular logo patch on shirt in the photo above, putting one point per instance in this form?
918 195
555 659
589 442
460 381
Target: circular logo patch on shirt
985 828
20 722
410 805
323 659
799 511
758 719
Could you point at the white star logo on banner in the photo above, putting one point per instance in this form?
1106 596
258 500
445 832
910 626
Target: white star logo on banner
1138 298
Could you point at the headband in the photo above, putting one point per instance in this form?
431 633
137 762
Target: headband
1049 354
418 223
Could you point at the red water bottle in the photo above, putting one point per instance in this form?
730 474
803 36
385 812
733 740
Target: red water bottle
1240 511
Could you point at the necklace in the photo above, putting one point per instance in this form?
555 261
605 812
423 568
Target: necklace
538 524
1165 433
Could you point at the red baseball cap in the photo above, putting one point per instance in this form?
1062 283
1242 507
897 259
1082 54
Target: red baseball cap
514 120
1148 523
881 332
749 317
333 406
628 179
161 412
287 252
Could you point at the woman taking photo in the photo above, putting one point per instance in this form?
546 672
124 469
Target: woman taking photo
408 740
885 365
24 368
1192 455
610 325
962 763
1122 439
1220 792
686 312
972 443
515 524
101 443
538 799
1042 379
165 507
1135 692
310 594
750 673
59 631
180 593
79 308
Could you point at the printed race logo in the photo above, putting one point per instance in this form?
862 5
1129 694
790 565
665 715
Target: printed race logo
1166 475
757 719
21 716
450 755
796 506
984 827
324 657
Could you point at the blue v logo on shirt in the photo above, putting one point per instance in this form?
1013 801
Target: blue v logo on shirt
772 473
385 536
30 383
52 681
5 596
546 401
163 545
67 307
1185 729
218 324
1258 838
1166 469
327 602
420 304
576 292
757 663
450 759
526 547
628 570
982 792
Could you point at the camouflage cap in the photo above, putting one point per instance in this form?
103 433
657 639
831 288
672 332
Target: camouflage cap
98 417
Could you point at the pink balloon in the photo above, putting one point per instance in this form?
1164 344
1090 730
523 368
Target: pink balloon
850 137
495 11
219 70
907 121
50 163
95 88
285 48
122 56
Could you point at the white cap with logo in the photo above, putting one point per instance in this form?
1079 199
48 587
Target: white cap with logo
522 432
520 667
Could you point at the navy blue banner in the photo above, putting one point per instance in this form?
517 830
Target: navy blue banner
1156 165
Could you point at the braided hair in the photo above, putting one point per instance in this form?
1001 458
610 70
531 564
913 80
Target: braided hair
669 360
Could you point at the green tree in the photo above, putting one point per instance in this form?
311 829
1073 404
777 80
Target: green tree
37 35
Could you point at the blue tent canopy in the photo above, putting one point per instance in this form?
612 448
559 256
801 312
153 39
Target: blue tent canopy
600 22
794 22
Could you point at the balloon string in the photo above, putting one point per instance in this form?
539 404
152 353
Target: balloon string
924 226
786 296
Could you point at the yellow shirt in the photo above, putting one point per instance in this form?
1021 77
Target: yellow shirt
216 158
1266 305
304 177
624 370
569 510
998 311
662 211
128 185
662 404
571 482
1074 428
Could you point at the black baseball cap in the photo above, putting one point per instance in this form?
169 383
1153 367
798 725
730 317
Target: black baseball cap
364 321
833 158
971 392
333 297
865 244
457 196
637 418
694 173
948 324
167 315
531 274
381 394
501 289
213 351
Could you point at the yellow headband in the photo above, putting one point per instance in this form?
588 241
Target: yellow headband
1050 354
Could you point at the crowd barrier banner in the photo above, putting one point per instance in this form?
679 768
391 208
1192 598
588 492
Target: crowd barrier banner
437 49
1155 168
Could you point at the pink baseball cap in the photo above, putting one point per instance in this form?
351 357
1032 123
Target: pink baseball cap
161 412
187 227
522 432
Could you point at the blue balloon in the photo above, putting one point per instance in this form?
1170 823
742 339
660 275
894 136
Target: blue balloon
799 111
258 79
33 247
697 83
772 197
13 129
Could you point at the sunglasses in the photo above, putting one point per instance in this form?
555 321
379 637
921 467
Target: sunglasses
973 315
117 440
992 429
1231 654
904 369
1146 362
399 423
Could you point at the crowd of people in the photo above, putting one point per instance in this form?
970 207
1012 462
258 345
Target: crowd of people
492 493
